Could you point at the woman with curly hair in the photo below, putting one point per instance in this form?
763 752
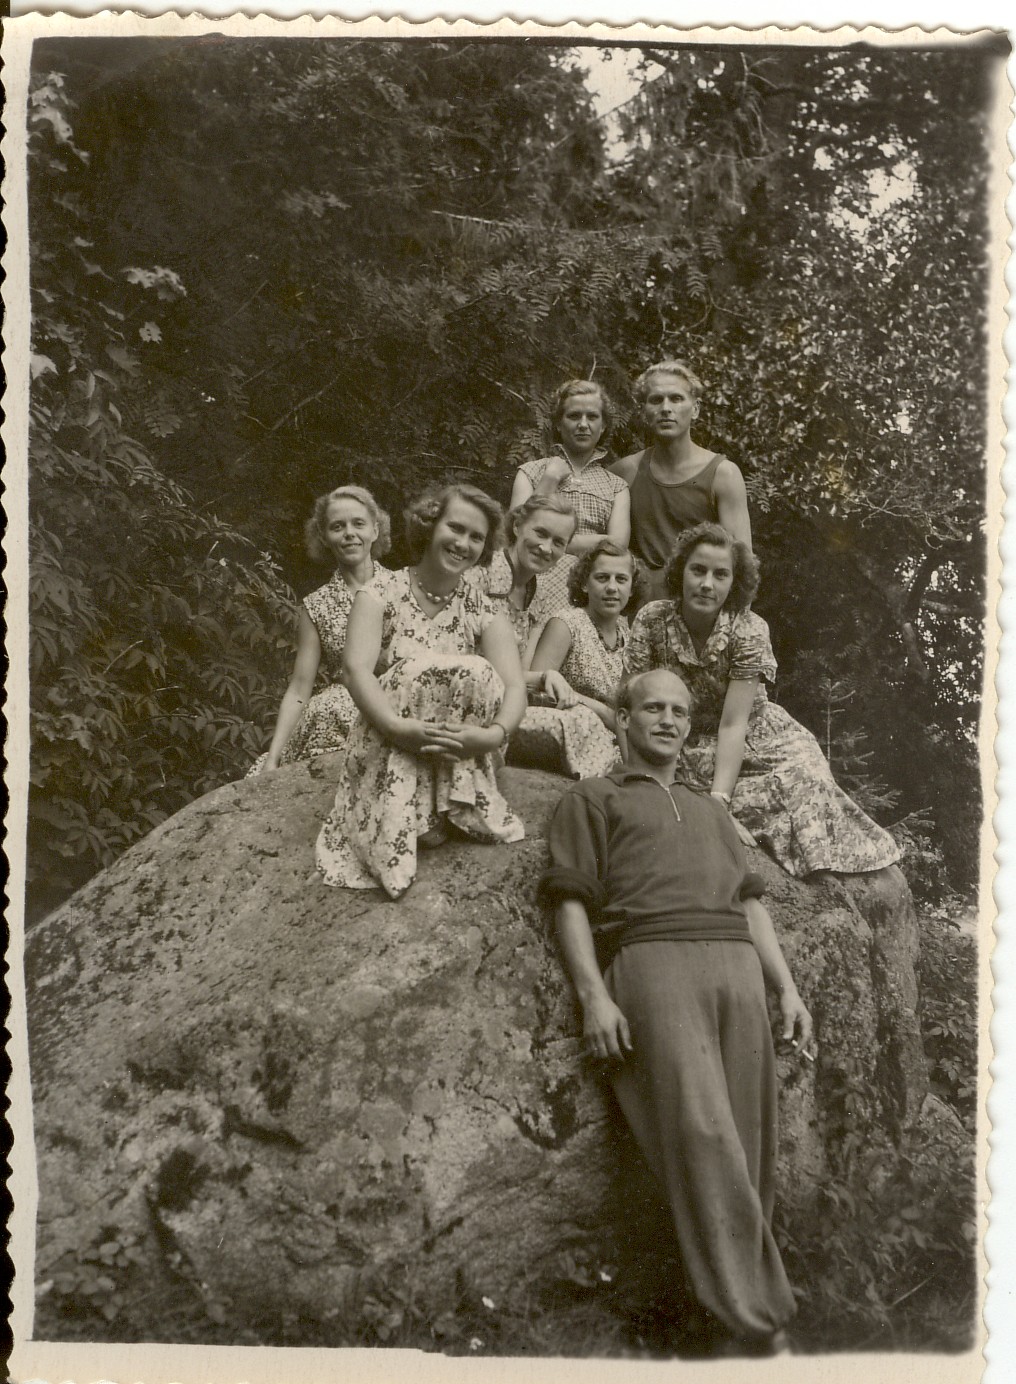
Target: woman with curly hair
435 673
768 770
579 658
581 419
349 528
585 642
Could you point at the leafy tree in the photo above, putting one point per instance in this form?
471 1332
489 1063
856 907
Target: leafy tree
835 297
157 631
393 251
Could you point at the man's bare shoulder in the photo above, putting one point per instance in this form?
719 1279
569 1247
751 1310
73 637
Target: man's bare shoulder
626 467
728 473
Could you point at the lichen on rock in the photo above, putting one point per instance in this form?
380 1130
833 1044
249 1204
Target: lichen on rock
274 1089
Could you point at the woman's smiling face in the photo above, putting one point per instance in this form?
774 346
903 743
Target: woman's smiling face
708 577
608 585
349 530
458 538
541 540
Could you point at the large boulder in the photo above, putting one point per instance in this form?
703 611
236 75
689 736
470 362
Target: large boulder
274 1091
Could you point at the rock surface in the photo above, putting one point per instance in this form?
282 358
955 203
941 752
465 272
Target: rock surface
270 1089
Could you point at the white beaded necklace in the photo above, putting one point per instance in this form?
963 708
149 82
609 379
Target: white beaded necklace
437 600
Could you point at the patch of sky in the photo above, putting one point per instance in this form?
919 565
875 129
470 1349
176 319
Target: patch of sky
613 78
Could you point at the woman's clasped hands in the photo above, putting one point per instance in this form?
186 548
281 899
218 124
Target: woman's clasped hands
446 739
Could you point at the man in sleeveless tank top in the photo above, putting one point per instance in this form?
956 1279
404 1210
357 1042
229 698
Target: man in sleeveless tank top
674 482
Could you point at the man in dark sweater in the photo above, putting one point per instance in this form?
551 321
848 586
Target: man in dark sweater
649 877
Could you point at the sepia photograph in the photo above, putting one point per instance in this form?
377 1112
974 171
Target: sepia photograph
481 487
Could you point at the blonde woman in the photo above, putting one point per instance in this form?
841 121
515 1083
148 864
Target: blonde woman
349 528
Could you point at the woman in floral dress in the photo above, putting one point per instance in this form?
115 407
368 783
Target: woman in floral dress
752 754
351 529
581 419
584 644
435 673
558 732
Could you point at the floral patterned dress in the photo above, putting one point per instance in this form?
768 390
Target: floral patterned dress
495 582
785 793
575 736
575 740
429 669
330 713
592 491
590 667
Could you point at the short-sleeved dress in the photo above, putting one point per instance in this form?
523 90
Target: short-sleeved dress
429 669
575 736
329 715
785 792
590 667
573 739
592 491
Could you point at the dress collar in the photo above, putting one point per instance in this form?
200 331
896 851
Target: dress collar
622 632
337 581
594 460
718 640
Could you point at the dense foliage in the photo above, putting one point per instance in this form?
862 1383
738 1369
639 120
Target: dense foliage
262 268
159 633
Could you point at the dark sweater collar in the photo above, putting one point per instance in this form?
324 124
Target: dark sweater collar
620 776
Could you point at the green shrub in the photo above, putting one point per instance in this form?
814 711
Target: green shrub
887 1261
159 636
947 980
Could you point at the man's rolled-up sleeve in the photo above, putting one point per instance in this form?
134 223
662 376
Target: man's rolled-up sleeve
577 838
753 886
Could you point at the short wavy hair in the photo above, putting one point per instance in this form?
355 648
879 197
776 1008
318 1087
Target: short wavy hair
423 514
579 574
577 388
558 503
680 368
743 562
314 536
625 688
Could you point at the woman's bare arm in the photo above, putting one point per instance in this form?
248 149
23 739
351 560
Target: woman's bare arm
733 729
522 488
497 644
619 523
554 644
301 685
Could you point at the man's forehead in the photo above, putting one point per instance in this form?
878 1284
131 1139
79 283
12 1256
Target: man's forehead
659 682
671 377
